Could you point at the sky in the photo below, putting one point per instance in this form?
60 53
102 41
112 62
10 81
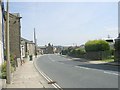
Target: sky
67 23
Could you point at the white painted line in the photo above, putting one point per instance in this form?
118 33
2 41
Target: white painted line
85 68
47 78
107 72
57 85
82 67
51 59
69 59
77 66
111 73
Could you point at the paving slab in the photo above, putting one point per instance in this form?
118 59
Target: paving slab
26 76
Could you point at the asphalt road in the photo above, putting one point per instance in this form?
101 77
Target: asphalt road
78 74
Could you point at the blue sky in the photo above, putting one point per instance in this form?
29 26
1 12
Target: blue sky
67 23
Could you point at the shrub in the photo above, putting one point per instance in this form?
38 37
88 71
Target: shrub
64 52
12 61
79 52
4 71
112 51
4 65
97 45
72 52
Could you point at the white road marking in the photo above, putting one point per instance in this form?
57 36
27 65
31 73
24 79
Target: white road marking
77 66
82 67
111 73
51 59
55 85
106 72
69 59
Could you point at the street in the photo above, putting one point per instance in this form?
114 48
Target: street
76 74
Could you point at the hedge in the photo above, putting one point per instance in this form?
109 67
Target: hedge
97 45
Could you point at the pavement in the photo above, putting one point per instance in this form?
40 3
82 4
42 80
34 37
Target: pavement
26 76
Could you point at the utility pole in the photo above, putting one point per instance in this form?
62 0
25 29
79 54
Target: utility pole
35 43
8 46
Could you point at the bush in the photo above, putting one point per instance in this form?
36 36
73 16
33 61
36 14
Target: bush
79 52
72 52
4 65
112 51
97 45
4 71
64 52
12 61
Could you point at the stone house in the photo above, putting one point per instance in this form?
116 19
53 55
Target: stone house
39 50
50 49
27 47
57 49
43 49
14 34
47 49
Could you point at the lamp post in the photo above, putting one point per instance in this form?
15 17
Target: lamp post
7 46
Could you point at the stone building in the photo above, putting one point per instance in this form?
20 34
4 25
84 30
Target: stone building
58 49
43 49
47 49
39 50
14 34
50 49
27 47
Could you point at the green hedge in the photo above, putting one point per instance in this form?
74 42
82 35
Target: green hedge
78 52
97 45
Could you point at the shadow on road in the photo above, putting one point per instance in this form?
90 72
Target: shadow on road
84 63
102 67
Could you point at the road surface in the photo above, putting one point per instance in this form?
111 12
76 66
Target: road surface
78 74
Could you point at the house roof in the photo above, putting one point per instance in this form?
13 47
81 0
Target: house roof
23 39
17 15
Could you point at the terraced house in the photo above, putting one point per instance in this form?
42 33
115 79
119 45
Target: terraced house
27 47
14 34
